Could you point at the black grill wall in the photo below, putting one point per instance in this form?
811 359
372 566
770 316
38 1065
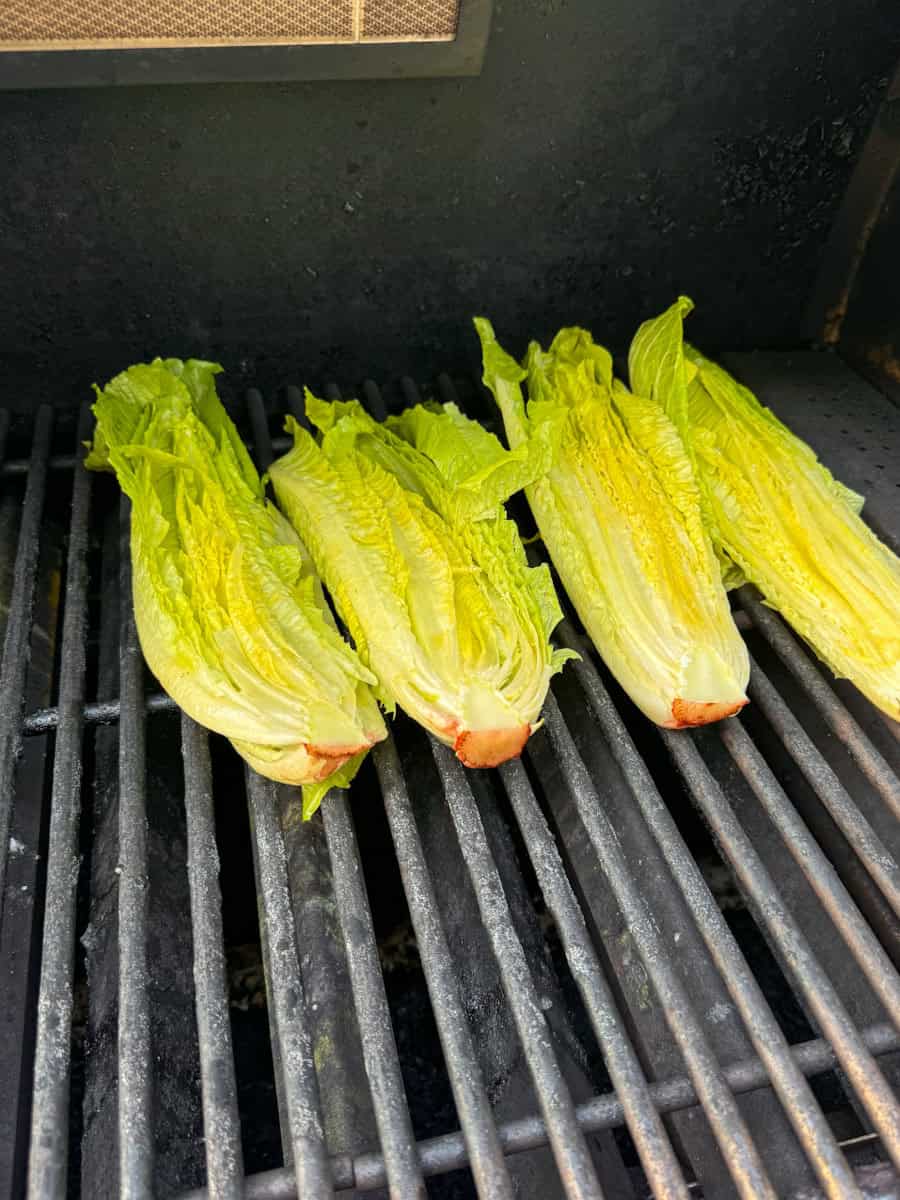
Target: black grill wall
610 155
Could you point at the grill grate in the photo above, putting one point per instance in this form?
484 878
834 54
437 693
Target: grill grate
694 1053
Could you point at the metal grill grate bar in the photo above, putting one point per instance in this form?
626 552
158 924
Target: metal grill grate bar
96 712
17 467
579 1178
650 1138
18 627
448 1152
866 756
395 1131
300 1095
797 956
479 1128
769 1042
224 1161
135 1090
261 446
880 864
836 900
50 1102
722 1112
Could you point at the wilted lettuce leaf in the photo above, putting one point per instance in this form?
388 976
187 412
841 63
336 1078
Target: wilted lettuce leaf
429 576
619 513
790 527
230 612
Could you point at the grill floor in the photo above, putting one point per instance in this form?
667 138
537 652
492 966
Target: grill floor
608 969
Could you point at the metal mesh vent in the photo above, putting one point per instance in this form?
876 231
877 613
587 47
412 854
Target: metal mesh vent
415 19
74 23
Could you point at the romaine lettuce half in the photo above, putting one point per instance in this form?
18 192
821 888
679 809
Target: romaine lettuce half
619 513
778 514
425 569
230 613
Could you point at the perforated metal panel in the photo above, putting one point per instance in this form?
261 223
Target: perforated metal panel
27 24
420 20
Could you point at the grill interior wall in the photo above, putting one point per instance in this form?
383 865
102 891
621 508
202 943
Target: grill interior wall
595 169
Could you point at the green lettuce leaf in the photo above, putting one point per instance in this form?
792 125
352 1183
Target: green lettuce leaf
619 512
790 527
230 613
405 524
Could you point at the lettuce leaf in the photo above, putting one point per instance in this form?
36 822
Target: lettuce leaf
658 370
619 512
405 524
230 613
469 459
790 527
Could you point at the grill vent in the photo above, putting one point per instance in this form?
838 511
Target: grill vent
417 20
94 24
